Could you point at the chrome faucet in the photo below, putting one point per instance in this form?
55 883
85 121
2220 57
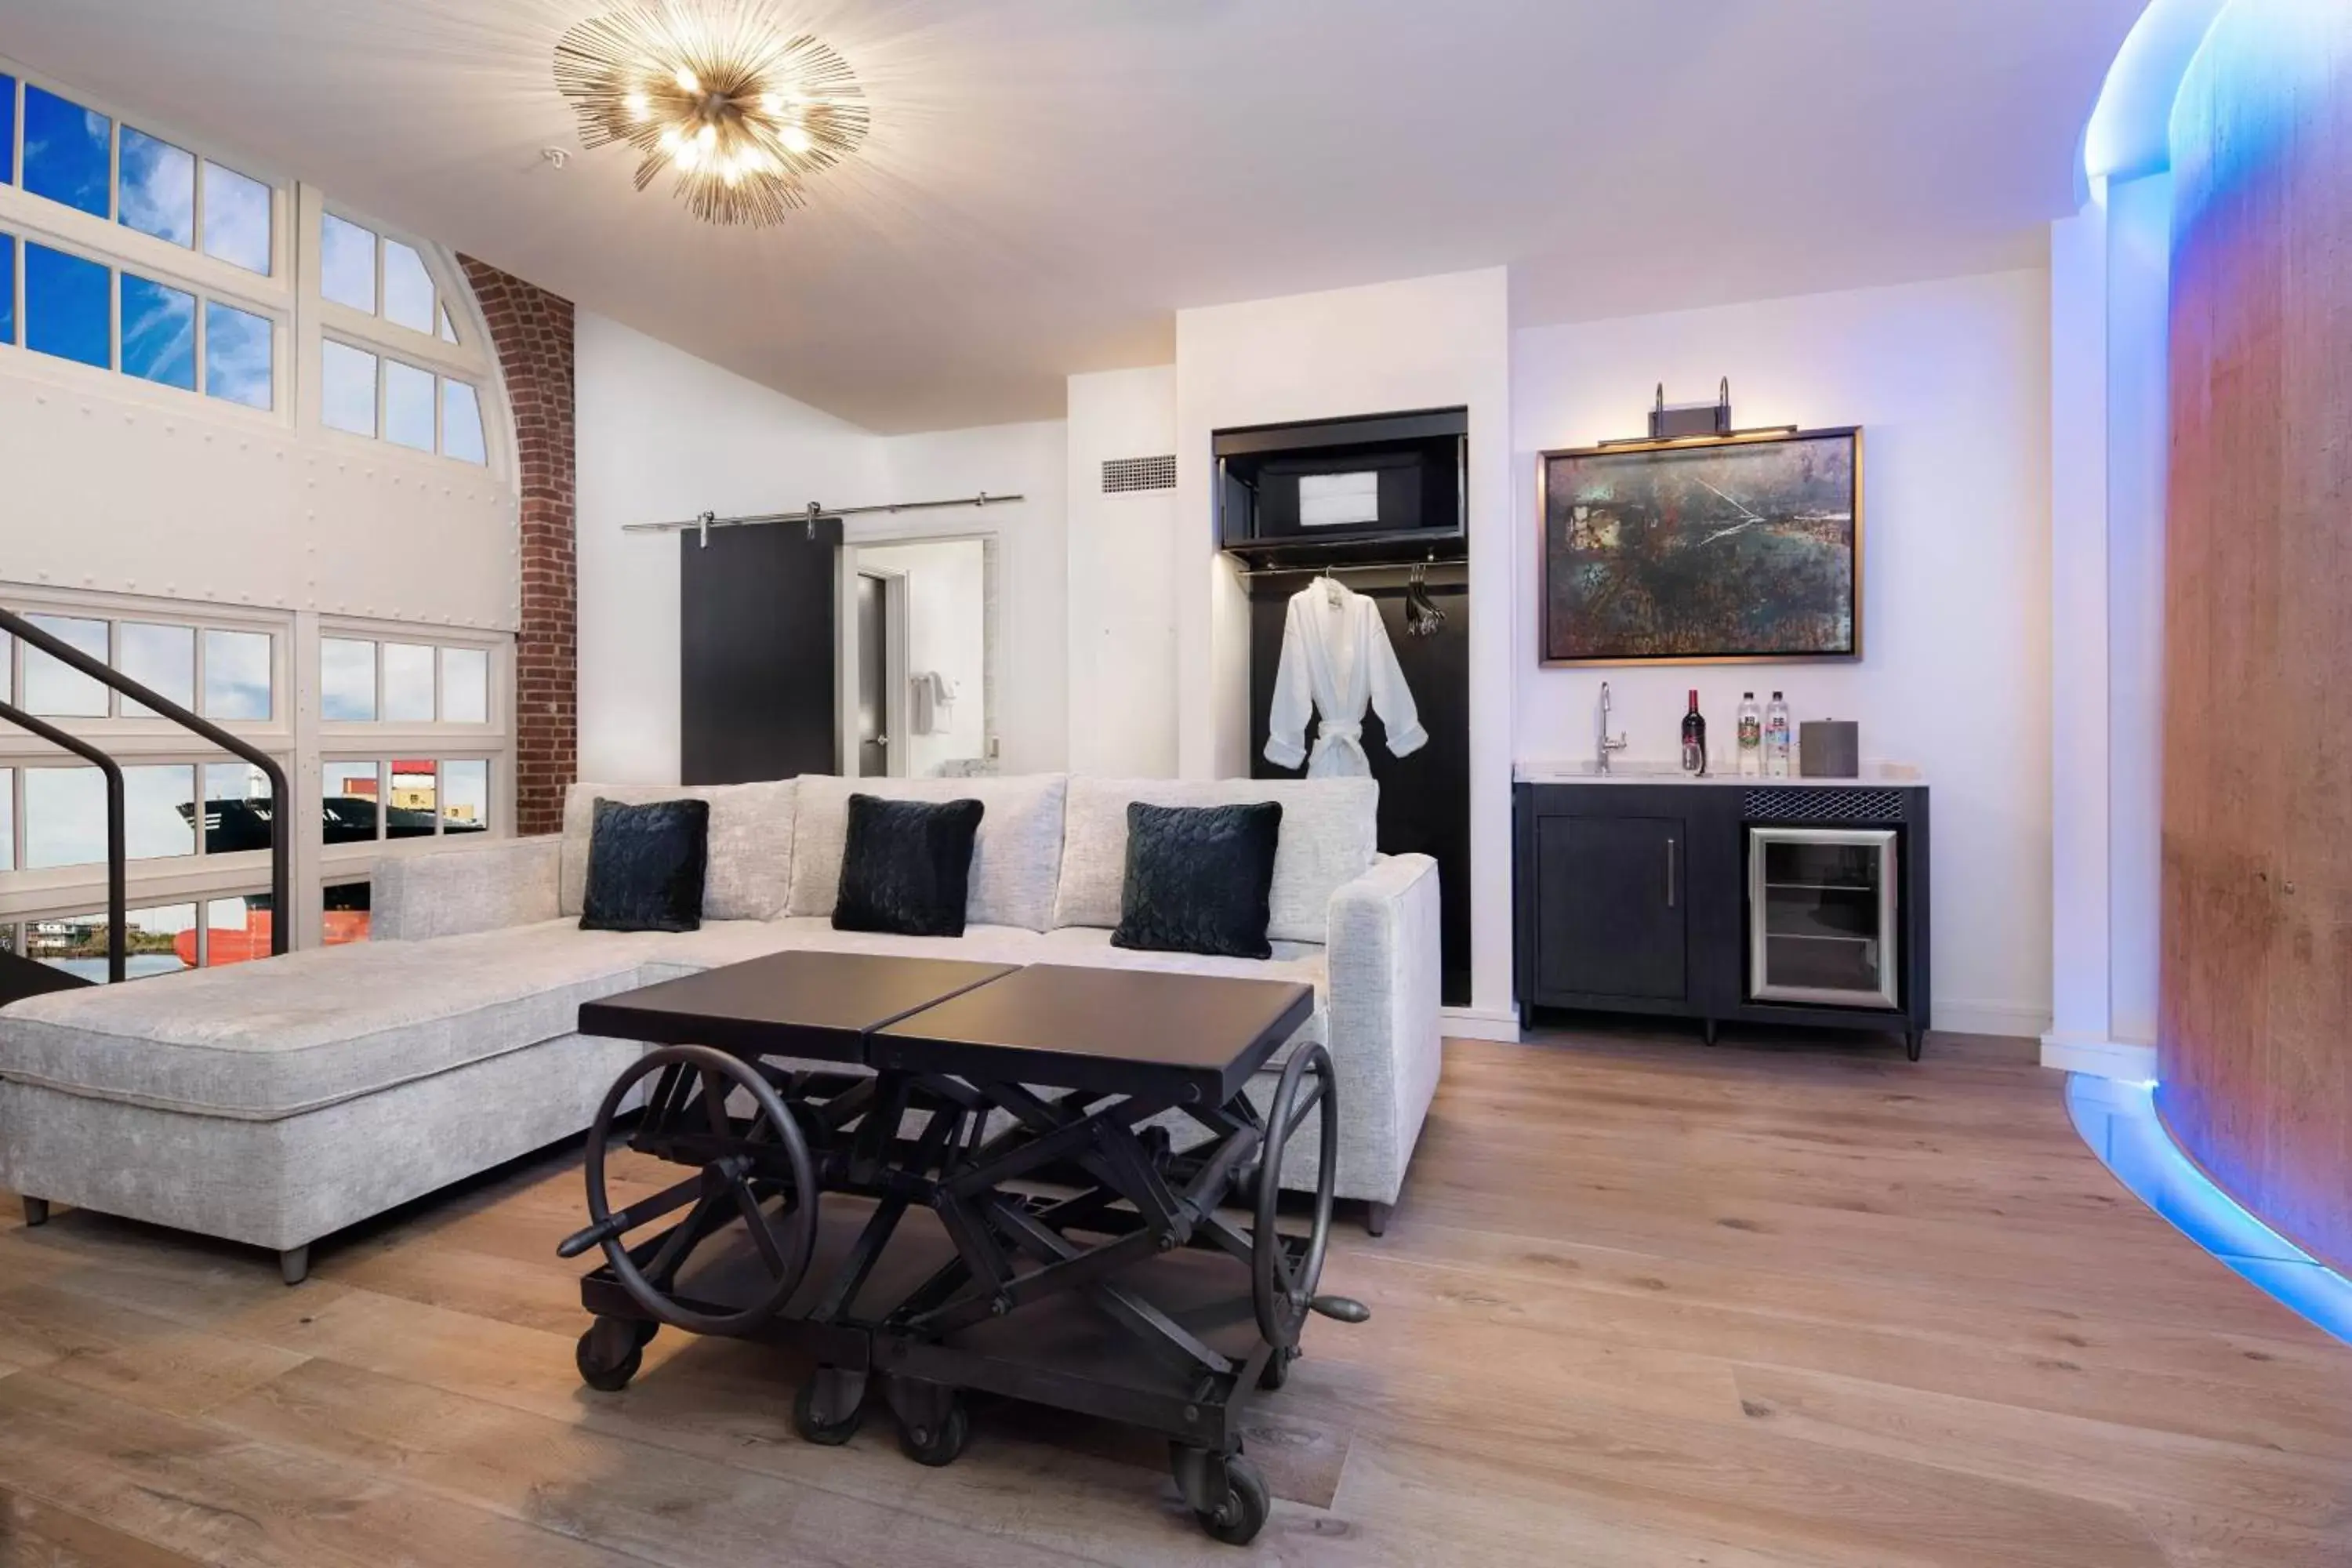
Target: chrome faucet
1603 745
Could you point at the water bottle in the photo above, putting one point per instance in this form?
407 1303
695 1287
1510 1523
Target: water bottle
1751 737
1776 738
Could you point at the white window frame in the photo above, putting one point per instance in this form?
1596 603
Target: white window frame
295 737
290 298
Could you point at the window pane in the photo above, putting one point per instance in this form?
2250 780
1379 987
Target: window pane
236 675
407 683
158 333
162 659
347 912
65 815
347 264
415 799
448 330
237 931
408 406
238 355
159 188
461 423
237 808
465 686
66 312
7 289
351 797
346 680
159 813
236 218
66 151
347 390
52 689
407 288
7 130
7 820
465 797
156 941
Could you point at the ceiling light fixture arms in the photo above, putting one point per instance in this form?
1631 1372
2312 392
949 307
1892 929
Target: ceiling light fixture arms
720 93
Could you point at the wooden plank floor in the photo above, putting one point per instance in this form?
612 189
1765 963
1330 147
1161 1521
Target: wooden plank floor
1775 1305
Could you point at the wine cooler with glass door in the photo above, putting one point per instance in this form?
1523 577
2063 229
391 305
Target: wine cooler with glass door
1824 916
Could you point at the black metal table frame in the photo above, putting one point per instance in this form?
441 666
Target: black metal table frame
1075 1193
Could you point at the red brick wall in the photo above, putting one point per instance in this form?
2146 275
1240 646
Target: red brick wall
531 329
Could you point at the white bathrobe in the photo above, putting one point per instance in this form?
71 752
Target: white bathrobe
1335 660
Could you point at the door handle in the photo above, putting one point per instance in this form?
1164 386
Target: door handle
1670 873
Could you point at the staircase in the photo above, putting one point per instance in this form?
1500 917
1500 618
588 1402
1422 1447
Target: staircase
21 977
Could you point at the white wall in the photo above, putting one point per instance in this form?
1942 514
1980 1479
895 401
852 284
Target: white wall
1424 342
1122 620
2110 330
946 606
1951 381
118 486
663 434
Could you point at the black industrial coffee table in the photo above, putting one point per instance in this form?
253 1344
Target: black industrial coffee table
946 1175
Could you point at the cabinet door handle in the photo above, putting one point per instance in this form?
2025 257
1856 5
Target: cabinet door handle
1670 873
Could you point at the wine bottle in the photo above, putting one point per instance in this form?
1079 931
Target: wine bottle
1693 737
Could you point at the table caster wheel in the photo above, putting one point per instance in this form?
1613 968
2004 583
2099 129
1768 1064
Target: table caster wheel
826 1434
1243 1514
939 1442
609 1354
1277 1370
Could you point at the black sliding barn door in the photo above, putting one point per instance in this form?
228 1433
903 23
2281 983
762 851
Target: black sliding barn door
756 658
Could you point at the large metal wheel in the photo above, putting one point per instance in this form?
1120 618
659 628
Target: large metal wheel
1283 1273
742 1165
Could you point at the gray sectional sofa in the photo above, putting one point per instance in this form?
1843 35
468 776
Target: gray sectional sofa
277 1102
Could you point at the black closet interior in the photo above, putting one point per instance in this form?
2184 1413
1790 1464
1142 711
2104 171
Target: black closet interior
1389 510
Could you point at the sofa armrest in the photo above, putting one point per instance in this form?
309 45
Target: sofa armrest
458 890
1385 964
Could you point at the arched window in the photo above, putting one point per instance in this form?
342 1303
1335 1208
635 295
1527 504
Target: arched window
338 381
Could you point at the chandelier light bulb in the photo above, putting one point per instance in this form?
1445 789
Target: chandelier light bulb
738 109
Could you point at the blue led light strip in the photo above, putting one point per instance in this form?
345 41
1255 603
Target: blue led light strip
2118 1120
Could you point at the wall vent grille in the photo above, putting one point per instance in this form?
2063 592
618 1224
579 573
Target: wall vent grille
1847 805
1139 474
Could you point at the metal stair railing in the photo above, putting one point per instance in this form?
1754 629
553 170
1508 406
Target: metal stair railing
281 869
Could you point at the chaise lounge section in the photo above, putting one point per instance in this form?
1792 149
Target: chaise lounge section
277 1102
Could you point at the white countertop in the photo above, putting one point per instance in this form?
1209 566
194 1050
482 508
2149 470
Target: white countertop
1644 771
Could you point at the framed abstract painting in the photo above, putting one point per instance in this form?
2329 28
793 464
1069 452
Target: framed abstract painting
1743 549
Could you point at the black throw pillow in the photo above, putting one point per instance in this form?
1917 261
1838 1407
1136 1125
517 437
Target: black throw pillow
645 866
907 866
1198 878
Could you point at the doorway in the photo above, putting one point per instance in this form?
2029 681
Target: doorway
881 673
916 652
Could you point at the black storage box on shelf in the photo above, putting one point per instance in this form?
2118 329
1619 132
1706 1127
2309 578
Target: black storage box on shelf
1386 487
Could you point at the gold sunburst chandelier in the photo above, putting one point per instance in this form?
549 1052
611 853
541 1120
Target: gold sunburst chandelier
740 109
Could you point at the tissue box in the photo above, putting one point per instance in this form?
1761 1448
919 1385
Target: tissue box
1829 749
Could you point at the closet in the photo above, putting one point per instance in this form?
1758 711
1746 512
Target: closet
1377 506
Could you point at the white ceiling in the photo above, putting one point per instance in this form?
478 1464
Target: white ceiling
1048 180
